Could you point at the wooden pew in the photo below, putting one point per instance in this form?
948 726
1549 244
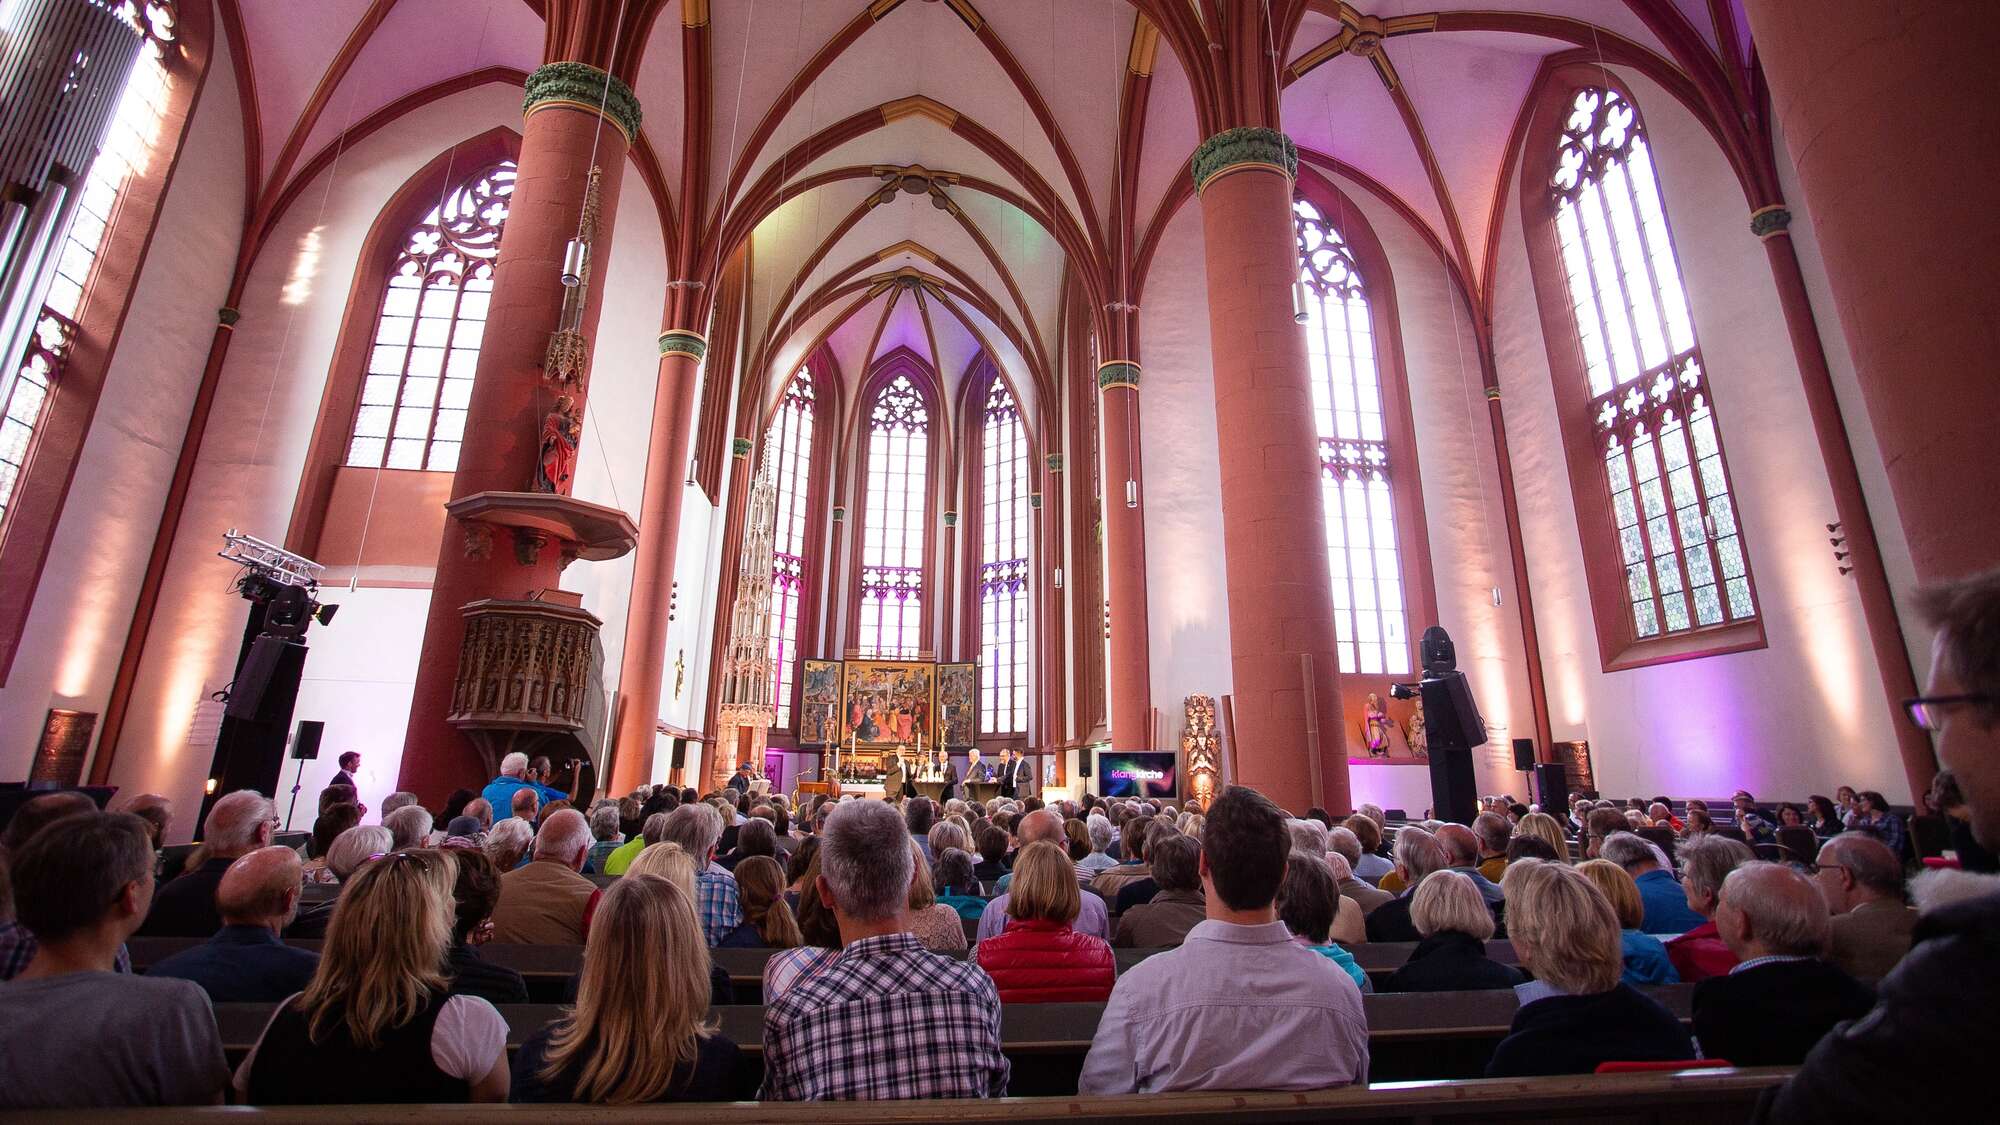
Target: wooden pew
1638 1099
1431 1035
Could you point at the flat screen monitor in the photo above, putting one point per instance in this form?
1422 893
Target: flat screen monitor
1130 773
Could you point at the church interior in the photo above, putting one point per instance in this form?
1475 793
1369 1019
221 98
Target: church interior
643 384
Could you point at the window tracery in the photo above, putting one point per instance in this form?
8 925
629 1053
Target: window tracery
1004 636
895 515
790 440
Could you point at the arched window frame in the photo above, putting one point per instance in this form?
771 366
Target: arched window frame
1620 645
900 363
1413 552
800 412
398 490
79 370
975 390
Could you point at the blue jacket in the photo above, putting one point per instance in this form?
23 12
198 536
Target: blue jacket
1646 960
500 794
1667 909
242 964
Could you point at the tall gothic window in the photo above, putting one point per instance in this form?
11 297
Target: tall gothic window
790 442
128 150
1652 421
892 540
426 343
1003 567
1356 462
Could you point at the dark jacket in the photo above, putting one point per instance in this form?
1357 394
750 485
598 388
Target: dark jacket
1037 962
1391 921
1451 961
1135 894
1929 1039
242 965
186 906
1573 1034
717 1074
1772 1014
473 975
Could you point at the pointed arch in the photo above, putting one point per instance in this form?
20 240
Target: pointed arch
901 442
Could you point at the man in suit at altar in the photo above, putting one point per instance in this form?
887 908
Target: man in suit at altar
892 776
1016 775
976 770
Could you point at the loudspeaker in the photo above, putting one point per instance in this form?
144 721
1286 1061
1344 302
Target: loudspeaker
680 756
1083 765
268 682
1524 754
305 744
1552 788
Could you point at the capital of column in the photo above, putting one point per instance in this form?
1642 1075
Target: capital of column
1243 148
1118 373
1055 462
680 341
575 85
1771 221
739 447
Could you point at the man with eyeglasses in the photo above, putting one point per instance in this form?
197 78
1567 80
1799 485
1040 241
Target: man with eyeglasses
1928 1043
238 824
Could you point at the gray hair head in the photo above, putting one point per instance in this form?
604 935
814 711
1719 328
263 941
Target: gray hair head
1100 831
866 859
355 846
1419 853
562 835
1342 841
604 822
1631 852
400 799
1493 831
1374 813
409 825
514 765
696 828
233 825
1308 836
1707 860
1787 916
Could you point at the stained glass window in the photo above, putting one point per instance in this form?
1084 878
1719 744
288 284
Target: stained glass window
790 441
892 539
426 343
128 151
1356 462
1651 415
1003 567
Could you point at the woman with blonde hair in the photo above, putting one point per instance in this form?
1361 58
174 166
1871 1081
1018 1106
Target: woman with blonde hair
1545 827
767 920
934 923
640 1031
820 933
1576 1014
1450 913
1645 959
378 1023
1040 958
668 861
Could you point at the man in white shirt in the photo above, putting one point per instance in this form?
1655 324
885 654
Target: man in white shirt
1240 1005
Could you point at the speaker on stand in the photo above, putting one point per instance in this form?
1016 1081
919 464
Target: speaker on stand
1552 787
1524 754
305 748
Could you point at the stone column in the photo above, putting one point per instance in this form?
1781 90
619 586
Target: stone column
562 130
1125 556
1273 528
639 677
1889 114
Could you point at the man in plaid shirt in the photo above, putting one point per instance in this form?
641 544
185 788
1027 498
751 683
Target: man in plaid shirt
885 1019
697 828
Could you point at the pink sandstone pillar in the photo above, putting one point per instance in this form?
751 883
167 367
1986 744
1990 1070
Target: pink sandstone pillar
504 418
1274 531
1889 113
1125 557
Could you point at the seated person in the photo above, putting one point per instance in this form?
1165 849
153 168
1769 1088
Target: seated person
1232 1007
605 837
1418 853
237 825
954 886
1706 861
1307 902
510 843
1576 1013
378 1023
326 830
1646 960
1666 905
475 893
409 825
992 865
1372 865
73 1033
1862 882
640 1031
1040 958
1451 914
546 902
698 829
1178 907
1047 825
1131 866
1461 849
651 831
246 962
936 927
502 792
17 945
1780 998
1342 841
767 919
947 1011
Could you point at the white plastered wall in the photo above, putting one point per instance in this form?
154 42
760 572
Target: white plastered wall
1807 712
82 607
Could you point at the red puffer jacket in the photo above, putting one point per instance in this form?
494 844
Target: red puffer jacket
1037 962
